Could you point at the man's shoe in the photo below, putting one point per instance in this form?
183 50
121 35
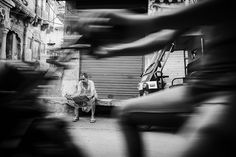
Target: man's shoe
75 119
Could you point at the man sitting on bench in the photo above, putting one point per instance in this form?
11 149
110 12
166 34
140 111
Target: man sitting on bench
84 97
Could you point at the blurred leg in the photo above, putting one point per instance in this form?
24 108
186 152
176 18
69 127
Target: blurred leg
174 100
132 137
143 110
211 130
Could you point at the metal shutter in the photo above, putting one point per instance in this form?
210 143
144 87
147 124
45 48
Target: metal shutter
115 78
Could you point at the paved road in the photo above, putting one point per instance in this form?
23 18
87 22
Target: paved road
104 139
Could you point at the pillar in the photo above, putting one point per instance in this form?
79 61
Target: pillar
4 40
25 37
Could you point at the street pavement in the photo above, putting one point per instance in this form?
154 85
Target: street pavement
104 138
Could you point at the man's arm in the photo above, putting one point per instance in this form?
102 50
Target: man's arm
142 46
93 90
78 91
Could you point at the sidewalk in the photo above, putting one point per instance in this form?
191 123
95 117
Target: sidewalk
58 105
104 138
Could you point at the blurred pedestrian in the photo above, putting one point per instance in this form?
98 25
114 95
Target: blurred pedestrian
26 128
211 95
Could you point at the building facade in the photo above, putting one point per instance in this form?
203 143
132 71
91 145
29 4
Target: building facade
24 28
5 7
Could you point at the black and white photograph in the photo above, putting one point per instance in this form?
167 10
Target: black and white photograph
117 78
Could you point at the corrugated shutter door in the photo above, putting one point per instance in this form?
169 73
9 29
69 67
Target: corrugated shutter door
115 78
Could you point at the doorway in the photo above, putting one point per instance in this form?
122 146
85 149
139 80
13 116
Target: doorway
13 46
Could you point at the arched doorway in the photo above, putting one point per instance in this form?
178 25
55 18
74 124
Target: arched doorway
13 46
9 45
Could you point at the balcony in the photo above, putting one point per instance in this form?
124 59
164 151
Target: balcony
24 8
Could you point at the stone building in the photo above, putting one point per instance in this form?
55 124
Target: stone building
24 27
5 7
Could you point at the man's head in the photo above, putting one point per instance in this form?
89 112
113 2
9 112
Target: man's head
84 77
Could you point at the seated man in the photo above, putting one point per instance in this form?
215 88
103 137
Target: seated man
84 97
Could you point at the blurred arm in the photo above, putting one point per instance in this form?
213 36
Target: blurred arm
142 46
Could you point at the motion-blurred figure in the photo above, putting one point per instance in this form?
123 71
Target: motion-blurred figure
211 129
25 129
